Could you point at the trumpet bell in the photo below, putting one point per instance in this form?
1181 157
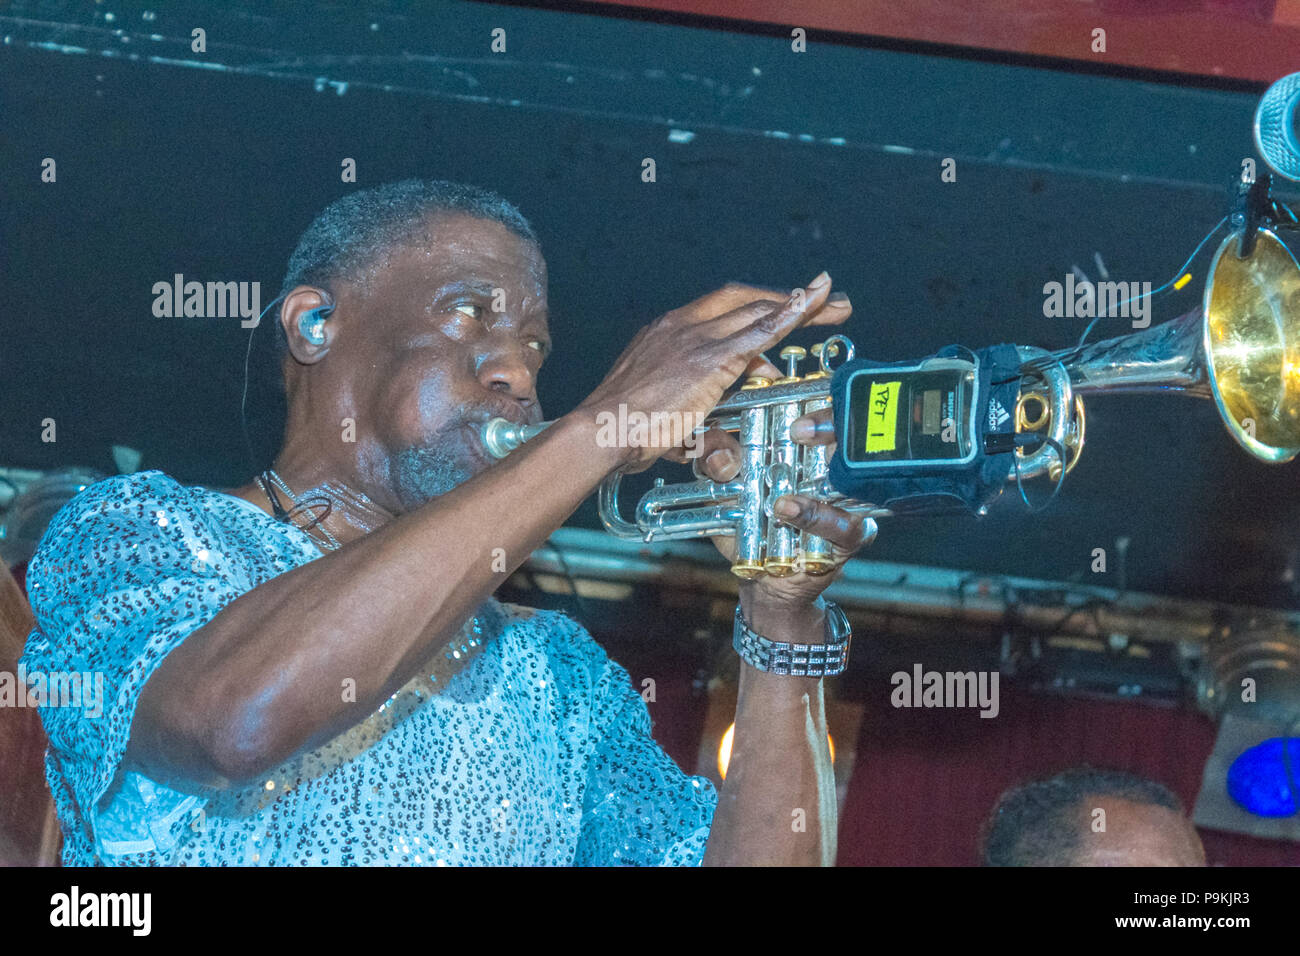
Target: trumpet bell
1252 345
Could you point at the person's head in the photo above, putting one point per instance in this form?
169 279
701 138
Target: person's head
1089 817
439 322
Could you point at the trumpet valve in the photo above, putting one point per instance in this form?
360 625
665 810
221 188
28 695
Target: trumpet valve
748 569
793 355
818 565
780 567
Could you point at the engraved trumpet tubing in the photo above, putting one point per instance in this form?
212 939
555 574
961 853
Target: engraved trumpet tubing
816 551
1058 395
749 533
783 478
1169 357
1166 357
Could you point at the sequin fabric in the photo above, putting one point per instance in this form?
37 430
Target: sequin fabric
535 752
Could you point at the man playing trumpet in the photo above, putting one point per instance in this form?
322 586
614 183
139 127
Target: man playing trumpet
312 669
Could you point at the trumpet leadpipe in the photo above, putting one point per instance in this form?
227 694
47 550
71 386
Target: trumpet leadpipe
1169 357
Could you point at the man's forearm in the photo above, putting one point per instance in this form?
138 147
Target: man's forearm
263 679
777 805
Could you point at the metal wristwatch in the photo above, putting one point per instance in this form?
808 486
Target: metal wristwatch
797 660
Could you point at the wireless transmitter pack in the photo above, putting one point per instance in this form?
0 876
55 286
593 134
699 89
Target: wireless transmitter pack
928 437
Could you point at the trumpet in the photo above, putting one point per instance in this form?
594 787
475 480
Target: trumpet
1241 349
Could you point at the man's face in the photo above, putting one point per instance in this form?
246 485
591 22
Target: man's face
1138 834
426 360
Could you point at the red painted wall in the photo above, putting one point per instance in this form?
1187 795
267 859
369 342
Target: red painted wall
1257 40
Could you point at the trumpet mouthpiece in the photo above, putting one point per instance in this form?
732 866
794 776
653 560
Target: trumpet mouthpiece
501 437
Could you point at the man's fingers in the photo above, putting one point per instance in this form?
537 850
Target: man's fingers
834 312
843 529
767 329
815 428
730 297
715 454
721 463
760 366
809 300
741 317
733 295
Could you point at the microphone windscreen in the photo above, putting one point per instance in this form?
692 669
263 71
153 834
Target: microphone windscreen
1277 127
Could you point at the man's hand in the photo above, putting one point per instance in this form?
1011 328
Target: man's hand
780 598
684 361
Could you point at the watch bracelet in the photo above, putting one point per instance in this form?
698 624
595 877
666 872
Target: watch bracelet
794 659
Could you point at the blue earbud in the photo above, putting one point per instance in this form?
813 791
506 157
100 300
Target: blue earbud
312 323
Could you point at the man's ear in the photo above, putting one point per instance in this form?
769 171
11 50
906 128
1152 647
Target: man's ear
304 317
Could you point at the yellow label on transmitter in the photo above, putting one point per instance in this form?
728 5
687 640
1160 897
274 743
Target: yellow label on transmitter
882 416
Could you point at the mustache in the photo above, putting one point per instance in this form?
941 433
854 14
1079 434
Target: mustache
506 408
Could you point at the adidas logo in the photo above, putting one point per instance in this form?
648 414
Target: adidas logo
997 415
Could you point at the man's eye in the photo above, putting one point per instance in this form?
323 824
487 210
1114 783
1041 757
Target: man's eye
470 310
537 344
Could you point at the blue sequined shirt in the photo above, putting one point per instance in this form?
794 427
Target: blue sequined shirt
536 752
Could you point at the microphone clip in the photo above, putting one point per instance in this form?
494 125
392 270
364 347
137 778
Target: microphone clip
1251 206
